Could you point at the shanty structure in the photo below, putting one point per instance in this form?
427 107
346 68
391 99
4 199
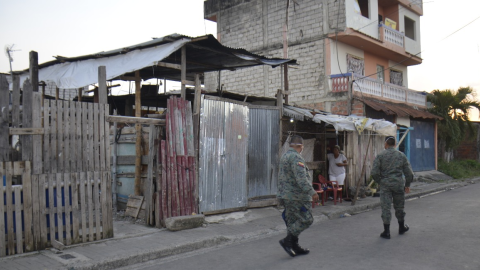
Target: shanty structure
56 154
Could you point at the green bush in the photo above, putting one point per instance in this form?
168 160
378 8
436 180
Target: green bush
460 168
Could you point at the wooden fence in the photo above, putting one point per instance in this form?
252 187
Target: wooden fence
61 171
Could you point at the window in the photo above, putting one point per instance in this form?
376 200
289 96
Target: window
396 77
355 64
364 8
380 73
409 28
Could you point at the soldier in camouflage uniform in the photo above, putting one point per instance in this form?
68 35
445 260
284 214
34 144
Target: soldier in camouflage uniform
296 193
387 172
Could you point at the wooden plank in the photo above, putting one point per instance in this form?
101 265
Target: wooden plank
108 181
26 131
193 184
53 138
134 205
104 204
19 167
51 178
148 189
135 120
169 65
31 204
59 209
102 85
164 181
68 208
181 185
43 210
5 148
90 202
18 219
189 131
26 140
90 141
74 177
102 133
66 137
96 138
187 82
83 204
183 74
10 206
85 145
37 165
16 101
114 164
96 200
73 136
2 211
60 137
33 70
78 137
47 154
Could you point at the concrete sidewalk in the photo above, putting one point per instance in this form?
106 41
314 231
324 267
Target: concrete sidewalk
135 243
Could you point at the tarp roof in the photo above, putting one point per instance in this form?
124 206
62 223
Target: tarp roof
203 53
399 109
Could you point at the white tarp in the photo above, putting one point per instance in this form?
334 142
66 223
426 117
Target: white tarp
357 123
72 75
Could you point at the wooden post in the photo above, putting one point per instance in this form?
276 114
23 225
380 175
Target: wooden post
138 129
183 76
34 70
80 94
4 145
57 93
102 85
349 95
196 130
285 78
114 165
26 140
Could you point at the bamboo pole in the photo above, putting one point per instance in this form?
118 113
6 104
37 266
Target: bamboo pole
354 200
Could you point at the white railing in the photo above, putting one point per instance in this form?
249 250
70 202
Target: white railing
393 36
415 97
395 92
367 85
374 87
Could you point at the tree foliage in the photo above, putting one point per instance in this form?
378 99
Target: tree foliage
453 107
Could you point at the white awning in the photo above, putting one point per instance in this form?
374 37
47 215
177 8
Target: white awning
73 75
357 123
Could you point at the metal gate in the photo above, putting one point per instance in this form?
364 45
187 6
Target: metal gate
263 148
422 145
222 155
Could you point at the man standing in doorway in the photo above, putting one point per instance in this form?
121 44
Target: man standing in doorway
295 193
387 172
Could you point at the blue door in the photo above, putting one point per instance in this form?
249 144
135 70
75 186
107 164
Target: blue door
422 145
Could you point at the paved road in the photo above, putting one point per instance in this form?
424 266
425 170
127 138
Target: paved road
444 234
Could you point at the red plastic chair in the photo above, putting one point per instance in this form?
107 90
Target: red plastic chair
319 190
333 187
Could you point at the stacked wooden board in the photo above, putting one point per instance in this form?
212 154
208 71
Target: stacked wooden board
179 186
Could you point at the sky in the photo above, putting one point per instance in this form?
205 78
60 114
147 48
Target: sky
73 28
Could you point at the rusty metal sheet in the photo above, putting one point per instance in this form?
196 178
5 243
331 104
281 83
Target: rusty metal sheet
399 109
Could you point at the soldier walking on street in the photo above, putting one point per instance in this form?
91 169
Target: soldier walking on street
387 172
295 193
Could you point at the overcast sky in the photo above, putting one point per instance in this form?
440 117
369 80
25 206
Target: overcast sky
73 28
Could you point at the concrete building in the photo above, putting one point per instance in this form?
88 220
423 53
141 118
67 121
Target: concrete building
353 57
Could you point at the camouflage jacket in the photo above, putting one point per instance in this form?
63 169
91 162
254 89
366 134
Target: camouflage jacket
293 178
389 166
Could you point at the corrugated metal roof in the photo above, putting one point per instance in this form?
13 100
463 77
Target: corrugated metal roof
399 109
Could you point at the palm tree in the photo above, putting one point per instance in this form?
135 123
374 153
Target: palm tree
453 107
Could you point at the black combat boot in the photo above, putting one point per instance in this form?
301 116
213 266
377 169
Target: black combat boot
386 231
402 227
287 244
298 249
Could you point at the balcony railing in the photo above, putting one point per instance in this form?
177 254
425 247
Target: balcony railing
390 35
372 87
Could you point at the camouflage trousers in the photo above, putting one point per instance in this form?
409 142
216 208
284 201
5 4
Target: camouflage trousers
397 195
297 216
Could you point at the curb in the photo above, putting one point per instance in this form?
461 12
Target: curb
141 257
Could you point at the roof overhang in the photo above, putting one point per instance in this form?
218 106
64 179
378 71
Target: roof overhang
400 110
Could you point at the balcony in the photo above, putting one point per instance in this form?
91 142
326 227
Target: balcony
391 36
374 88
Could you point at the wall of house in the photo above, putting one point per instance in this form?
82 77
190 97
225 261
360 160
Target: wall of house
365 25
411 46
371 62
399 67
258 27
339 65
